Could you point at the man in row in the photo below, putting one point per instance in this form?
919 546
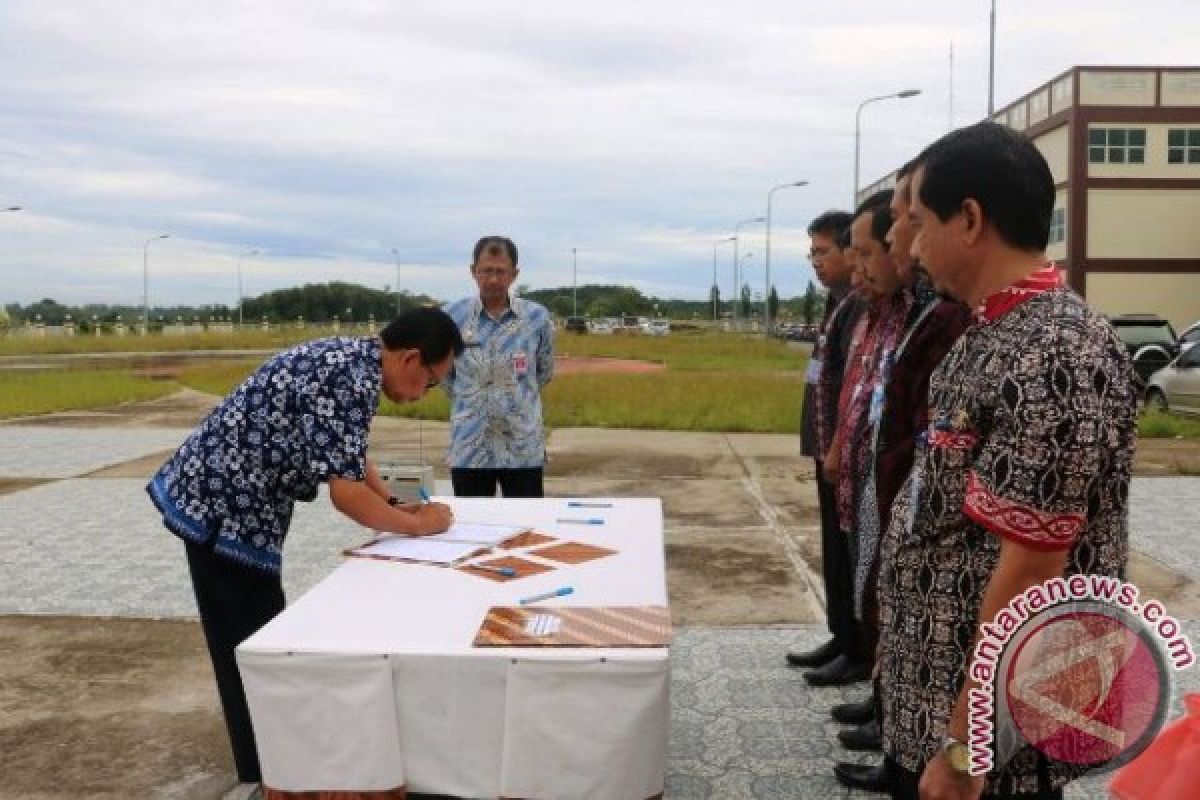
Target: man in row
838 660
931 326
1022 474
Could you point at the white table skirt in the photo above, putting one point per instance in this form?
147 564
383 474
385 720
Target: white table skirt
370 680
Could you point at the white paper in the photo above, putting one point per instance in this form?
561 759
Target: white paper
543 625
418 549
477 533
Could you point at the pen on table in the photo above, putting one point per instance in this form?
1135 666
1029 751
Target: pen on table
582 504
589 521
537 598
507 572
424 494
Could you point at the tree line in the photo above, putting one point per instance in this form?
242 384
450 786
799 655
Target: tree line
349 302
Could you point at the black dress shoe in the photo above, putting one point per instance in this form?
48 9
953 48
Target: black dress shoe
839 672
862 776
854 713
813 658
864 737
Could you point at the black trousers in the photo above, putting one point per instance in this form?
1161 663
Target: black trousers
525 482
234 602
838 572
905 783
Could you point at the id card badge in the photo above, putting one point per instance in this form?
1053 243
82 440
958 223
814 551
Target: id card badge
876 412
520 363
813 373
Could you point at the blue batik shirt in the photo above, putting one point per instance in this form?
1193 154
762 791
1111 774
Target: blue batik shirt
495 386
298 421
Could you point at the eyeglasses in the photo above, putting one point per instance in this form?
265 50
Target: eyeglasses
818 252
493 272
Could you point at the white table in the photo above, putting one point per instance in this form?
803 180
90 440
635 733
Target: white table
369 682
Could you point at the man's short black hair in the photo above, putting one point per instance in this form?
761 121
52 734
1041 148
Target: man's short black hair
830 223
430 330
834 224
490 242
908 168
1001 170
879 206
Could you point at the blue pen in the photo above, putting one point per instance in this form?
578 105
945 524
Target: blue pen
507 572
582 504
424 494
589 521
537 598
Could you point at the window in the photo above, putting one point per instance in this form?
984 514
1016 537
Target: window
1117 145
1058 226
1189 359
1183 146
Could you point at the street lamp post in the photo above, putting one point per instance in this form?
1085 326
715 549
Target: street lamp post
239 277
906 93
737 288
146 281
574 284
747 306
716 244
767 277
992 61
396 255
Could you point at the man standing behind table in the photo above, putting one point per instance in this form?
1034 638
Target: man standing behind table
496 433
1023 472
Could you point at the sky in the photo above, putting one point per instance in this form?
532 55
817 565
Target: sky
357 139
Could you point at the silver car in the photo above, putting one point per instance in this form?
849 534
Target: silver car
1190 337
1176 387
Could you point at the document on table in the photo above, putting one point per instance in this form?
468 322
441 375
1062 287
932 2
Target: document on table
427 549
478 533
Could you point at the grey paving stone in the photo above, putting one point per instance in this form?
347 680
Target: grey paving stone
37 452
98 547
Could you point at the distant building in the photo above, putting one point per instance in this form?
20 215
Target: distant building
1123 144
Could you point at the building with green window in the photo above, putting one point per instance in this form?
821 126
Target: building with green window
1123 144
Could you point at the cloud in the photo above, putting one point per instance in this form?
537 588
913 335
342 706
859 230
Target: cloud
327 135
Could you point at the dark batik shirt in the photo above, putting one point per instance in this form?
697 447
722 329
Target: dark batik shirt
299 420
1033 422
812 377
834 344
933 326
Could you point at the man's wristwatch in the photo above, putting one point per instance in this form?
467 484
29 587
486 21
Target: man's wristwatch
958 755
393 501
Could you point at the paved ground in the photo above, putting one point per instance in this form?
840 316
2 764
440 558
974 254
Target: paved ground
114 699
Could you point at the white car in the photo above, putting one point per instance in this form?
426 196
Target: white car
1176 387
601 326
1189 337
657 327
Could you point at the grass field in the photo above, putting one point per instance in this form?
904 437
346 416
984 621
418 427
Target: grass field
712 383
25 393
276 338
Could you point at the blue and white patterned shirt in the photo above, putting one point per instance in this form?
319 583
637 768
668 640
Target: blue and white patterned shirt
495 386
299 420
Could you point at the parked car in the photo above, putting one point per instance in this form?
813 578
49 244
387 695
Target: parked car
1189 337
657 327
600 326
1176 387
576 325
1150 340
